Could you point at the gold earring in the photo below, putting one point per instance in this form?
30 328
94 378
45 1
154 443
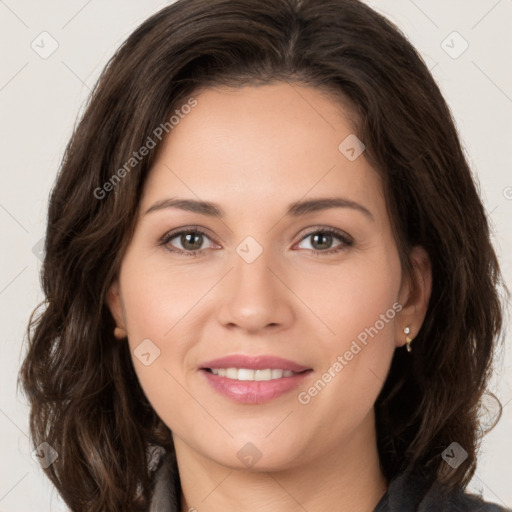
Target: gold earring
120 333
408 340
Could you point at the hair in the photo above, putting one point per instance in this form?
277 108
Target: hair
85 398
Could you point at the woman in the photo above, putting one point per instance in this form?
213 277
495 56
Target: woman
269 279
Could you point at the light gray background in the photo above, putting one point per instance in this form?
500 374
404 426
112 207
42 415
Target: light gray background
39 102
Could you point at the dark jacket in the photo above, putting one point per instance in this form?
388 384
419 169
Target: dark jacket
406 493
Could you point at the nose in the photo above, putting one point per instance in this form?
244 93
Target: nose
255 297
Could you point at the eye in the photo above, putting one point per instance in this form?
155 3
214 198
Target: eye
322 240
188 242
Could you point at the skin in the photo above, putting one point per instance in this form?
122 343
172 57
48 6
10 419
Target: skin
253 151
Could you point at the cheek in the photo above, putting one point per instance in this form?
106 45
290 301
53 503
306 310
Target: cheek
359 305
158 351
353 297
366 311
158 298
159 310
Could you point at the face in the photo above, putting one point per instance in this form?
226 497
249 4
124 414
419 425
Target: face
302 297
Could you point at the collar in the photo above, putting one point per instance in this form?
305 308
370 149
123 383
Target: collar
166 486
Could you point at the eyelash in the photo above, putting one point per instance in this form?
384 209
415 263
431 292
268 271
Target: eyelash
342 237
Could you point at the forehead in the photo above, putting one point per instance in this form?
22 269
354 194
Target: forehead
272 144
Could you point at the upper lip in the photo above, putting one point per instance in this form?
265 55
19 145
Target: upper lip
254 363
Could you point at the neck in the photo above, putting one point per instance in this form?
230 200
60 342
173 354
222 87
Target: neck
348 478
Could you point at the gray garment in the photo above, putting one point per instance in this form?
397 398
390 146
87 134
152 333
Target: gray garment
410 492
166 486
406 493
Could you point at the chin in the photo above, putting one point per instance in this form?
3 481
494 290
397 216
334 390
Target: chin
255 455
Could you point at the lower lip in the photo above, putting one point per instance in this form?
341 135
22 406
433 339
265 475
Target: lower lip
254 392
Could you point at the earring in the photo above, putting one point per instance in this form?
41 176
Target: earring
120 333
408 340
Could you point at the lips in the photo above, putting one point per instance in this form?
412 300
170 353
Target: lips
253 379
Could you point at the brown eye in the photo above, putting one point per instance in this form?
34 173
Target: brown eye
187 242
191 241
322 240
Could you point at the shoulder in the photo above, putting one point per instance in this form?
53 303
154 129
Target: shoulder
459 500
412 492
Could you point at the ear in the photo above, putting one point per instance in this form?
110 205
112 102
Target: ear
414 296
115 305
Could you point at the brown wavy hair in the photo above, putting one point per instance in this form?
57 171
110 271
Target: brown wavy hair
86 401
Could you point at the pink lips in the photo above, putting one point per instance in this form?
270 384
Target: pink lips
254 392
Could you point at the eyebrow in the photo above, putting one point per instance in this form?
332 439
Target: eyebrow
296 209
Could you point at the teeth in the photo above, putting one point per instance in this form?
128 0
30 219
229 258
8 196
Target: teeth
276 374
247 374
230 373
